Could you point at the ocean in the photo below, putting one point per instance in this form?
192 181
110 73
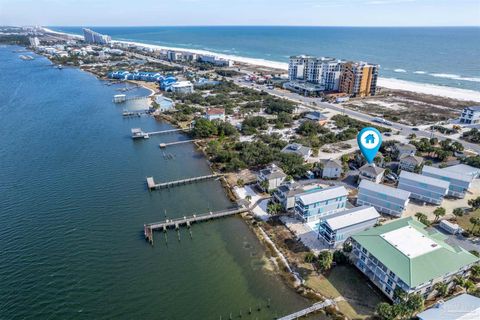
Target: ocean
445 56
73 202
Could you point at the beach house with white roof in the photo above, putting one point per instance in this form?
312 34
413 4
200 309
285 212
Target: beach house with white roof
337 228
462 307
403 254
464 169
423 188
459 183
385 199
318 203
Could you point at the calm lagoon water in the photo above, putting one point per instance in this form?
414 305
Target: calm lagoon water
73 201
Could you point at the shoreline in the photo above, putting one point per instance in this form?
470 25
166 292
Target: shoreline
388 83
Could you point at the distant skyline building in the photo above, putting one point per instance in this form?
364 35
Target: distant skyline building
93 37
34 42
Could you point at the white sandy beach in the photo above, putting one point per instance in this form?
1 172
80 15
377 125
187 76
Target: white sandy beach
389 83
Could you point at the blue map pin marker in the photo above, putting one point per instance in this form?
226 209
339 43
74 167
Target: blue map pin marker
369 140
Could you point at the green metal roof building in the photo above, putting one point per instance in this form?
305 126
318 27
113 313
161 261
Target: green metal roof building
404 254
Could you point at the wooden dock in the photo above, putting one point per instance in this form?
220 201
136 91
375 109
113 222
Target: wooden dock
167 131
314 308
139 132
187 221
153 186
164 145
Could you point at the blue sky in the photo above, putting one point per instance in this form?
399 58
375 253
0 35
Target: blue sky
241 12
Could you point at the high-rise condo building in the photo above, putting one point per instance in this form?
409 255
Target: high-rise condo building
322 71
329 74
93 37
359 78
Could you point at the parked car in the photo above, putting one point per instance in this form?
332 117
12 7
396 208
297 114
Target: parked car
415 129
390 177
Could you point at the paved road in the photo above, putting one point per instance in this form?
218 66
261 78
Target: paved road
317 104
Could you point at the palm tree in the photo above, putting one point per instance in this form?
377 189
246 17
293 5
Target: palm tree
474 221
441 288
459 282
248 198
439 212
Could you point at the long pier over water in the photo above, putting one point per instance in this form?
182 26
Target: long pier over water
152 185
306 311
187 221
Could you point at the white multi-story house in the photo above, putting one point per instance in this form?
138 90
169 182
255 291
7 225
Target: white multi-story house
371 173
404 255
459 183
470 115
270 178
404 149
409 163
331 169
182 87
337 228
423 188
385 199
285 194
319 203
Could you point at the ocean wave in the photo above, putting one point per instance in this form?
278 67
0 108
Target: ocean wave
454 77
400 70
420 72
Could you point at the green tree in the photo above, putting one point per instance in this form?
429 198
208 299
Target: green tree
274 208
422 218
474 221
441 288
310 257
386 311
264 185
439 212
458 212
204 128
475 270
414 304
325 259
474 203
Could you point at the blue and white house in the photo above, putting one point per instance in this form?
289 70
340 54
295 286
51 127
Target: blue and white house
385 199
459 183
337 228
423 188
319 203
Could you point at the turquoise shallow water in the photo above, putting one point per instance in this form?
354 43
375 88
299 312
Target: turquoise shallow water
441 56
73 202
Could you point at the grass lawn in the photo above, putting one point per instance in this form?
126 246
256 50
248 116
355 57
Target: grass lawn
464 221
360 296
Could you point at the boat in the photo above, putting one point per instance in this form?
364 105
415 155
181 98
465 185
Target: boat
60 67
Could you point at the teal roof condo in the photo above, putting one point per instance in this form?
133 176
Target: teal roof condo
404 254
